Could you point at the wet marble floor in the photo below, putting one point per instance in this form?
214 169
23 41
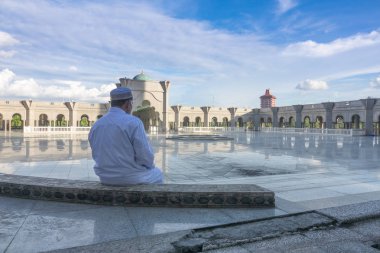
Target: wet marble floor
305 171
297 167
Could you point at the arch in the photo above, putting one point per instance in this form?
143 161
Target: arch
250 124
240 122
292 122
198 121
355 121
149 116
186 121
84 121
2 125
225 122
306 122
83 145
214 121
155 119
16 122
61 121
60 144
17 143
43 120
281 122
145 103
339 122
319 122
269 122
43 145
262 122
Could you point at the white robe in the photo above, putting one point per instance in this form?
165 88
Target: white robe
121 150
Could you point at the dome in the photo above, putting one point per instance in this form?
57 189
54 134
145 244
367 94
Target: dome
141 77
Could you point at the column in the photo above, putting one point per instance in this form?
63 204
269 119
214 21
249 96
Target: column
368 104
275 116
165 87
70 155
232 111
9 124
205 110
176 109
27 150
298 109
29 112
232 146
205 147
72 113
256 119
329 106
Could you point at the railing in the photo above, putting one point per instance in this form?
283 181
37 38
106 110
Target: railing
326 131
356 132
58 130
211 129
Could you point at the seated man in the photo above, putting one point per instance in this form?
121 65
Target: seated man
120 148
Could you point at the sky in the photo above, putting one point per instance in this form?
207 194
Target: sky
222 53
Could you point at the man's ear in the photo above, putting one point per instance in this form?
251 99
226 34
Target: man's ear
125 106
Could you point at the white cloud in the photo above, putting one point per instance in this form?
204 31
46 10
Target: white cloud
352 72
6 77
7 54
375 83
73 68
62 89
187 52
313 49
7 40
285 5
312 85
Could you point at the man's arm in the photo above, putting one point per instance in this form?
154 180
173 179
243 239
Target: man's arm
143 151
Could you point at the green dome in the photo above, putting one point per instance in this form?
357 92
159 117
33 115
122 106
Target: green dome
142 77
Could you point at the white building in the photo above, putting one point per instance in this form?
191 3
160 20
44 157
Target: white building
151 104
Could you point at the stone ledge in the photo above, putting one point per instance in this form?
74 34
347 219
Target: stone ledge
199 137
169 195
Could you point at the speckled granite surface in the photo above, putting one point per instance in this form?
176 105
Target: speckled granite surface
136 195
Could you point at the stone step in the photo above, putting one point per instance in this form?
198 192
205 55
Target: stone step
168 195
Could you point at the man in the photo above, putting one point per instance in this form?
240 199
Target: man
120 148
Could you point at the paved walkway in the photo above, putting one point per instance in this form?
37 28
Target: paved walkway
351 228
34 226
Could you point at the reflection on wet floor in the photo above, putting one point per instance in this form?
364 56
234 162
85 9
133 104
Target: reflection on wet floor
335 170
248 155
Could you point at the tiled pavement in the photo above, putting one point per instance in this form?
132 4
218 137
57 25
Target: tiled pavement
305 172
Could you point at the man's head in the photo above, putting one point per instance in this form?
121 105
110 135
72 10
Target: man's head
122 97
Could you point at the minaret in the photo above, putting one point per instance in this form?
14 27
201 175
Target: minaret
268 100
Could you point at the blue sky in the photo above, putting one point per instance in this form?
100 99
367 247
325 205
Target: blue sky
214 52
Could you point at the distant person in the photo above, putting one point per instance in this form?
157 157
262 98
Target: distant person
120 148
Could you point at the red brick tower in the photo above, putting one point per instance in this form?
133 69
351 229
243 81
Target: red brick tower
268 100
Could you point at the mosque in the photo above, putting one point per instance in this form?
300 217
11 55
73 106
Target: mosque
151 105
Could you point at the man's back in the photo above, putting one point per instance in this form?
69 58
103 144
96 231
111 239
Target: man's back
121 150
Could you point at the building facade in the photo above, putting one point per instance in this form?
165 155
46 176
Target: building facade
151 105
